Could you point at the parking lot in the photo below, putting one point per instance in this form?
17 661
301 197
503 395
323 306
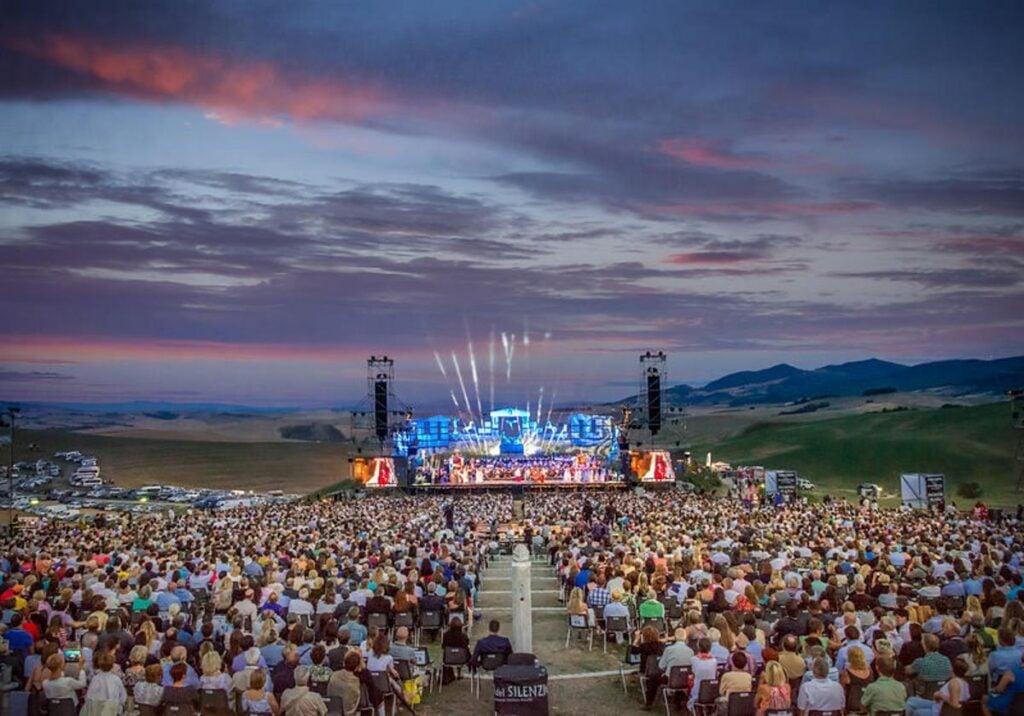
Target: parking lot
71 486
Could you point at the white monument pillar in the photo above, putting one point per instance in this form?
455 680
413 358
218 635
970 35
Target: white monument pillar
522 600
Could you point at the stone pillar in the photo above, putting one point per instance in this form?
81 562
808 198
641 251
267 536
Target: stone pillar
522 600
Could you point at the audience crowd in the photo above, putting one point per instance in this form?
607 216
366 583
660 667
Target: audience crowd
722 606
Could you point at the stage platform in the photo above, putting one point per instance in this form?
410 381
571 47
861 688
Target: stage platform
520 487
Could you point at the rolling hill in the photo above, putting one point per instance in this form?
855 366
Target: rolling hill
784 383
967 444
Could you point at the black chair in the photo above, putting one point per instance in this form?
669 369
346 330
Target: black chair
429 621
179 710
890 713
488 663
61 707
382 682
833 712
455 658
305 620
522 658
926 689
650 678
678 682
214 702
656 622
631 659
741 704
365 707
148 710
377 619
334 705
853 697
707 698
616 626
404 619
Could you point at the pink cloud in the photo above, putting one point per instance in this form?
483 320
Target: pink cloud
762 209
697 258
709 153
73 349
230 90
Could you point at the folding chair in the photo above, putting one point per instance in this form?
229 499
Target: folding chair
522 658
741 704
651 673
577 624
334 705
488 662
631 658
179 710
834 712
376 619
61 707
454 657
382 682
656 622
429 621
425 665
403 619
148 710
214 702
853 697
616 626
707 698
679 678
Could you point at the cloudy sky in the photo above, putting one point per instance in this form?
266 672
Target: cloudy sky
241 201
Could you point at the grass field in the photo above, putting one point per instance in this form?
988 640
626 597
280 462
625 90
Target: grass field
966 444
971 443
130 462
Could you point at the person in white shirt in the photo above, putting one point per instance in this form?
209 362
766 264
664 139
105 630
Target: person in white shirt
301 605
59 686
105 685
820 693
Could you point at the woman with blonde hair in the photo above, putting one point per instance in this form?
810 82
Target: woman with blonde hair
213 676
577 606
726 637
136 670
773 692
857 672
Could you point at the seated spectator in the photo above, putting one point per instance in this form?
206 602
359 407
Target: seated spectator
1003 692
150 692
648 646
105 686
791 662
59 686
256 699
773 692
493 643
735 681
300 700
213 673
933 666
953 692
179 691
705 668
857 672
820 693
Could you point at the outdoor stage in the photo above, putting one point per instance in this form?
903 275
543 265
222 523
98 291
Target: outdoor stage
521 487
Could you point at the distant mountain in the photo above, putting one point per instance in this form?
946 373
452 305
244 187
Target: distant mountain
784 383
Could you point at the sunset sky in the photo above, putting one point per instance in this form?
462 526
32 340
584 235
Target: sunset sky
241 201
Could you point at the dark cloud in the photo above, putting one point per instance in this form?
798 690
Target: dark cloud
32 376
995 193
942 278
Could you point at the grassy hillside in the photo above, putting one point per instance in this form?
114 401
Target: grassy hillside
130 462
966 444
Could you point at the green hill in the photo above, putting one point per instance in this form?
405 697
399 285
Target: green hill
966 444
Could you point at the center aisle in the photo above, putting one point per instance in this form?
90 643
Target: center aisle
580 681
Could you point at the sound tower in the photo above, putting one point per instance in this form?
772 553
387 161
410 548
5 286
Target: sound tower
380 409
654 401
